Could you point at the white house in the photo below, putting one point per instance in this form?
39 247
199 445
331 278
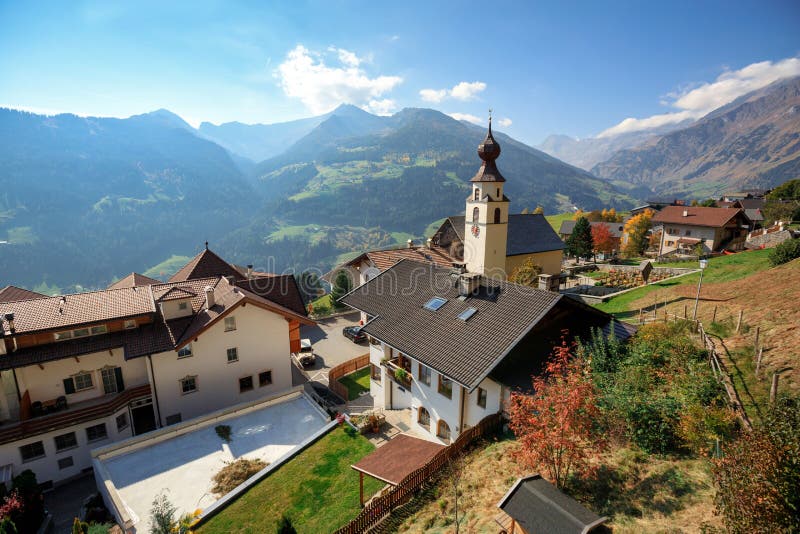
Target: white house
451 343
83 370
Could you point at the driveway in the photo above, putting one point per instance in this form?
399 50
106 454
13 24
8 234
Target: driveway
330 346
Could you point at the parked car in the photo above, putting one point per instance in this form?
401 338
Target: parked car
306 356
354 333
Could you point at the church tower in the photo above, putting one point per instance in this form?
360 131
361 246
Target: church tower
486 223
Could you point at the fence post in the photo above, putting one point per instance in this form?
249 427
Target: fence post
714 315
773 391
739 322
685 312
758 361
755 344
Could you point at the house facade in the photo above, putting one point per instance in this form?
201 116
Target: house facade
83 370
684 229
450 343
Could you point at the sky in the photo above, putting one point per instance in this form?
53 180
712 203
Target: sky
577 68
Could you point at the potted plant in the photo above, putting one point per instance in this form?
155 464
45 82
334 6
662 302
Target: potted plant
401 375
374 423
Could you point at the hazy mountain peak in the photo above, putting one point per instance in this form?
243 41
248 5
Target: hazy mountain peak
163 117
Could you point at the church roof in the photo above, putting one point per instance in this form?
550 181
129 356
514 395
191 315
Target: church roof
528 233
488 151
204 265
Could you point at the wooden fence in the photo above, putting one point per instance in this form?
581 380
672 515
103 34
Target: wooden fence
379 508
345 369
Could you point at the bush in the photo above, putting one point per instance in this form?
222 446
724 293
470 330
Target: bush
234 473
785 252
224 432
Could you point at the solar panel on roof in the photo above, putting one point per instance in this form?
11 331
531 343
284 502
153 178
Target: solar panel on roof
466 314
435 303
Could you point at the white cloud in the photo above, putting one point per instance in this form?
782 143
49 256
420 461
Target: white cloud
381 107
461 91
467 117
694 103
467 90
433 95
305 75
504 122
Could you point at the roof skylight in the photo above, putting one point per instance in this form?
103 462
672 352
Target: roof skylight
435 303
466 314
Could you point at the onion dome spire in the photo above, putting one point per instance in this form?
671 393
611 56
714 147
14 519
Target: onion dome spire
488 151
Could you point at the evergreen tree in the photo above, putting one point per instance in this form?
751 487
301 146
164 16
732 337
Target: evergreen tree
341 286
285 526
580 243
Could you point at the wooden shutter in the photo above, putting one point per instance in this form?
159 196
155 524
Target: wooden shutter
69 386
118 377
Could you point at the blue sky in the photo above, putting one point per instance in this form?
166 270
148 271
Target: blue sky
579 68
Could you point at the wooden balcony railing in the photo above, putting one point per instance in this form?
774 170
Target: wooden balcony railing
398 373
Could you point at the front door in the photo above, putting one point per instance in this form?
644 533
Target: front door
144 419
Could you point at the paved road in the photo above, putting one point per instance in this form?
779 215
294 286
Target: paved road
330 346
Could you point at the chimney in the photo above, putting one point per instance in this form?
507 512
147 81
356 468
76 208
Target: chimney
249 272
685 213
468 284
429 242
10 319
209 297
410 243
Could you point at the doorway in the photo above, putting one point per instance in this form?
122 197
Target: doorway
144 418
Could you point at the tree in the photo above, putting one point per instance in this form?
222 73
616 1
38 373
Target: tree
602 239
341 287
758 475
162 515
636 230
454 476
579 243
539 210
285 526
555 426
526 274
709 203
785 252
783 203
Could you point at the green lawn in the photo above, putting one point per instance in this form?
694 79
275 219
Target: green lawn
317 489
167 268
555 220
356 383
720 269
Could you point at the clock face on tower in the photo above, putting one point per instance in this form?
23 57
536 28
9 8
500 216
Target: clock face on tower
475 230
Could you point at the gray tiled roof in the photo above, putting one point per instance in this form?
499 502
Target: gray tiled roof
463 351
527 233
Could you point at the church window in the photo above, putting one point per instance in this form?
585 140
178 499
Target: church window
475 214
498 192
477 194
497 215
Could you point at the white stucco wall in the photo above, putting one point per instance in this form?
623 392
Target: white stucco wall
47 382
262 342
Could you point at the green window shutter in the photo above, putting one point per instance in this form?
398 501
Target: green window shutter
118 376
69 386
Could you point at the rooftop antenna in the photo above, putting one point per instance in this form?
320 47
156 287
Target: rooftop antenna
206 245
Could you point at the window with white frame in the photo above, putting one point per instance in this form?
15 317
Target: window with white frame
445 386
425 375
482 397
375 372
230 323
82 381
65 441
96 432
32 451
424 418
112 379
185 351
443 430
233 354
130 323
188 384
183 306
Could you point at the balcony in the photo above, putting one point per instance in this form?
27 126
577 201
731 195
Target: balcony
73 414
399 370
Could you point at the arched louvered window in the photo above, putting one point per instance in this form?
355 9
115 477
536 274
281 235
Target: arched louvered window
497 215
475 214
424 418
443 430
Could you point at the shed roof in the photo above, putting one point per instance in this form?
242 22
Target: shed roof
538 506
398 458
697 215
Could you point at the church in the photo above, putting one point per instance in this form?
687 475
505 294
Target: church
487 237
451 342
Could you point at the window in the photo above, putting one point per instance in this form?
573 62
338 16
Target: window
96 432
60 336
477 194
174 419
112 380
79 382
688 232
130 323
183 306
482 397
435 303
443 430
445 387
375 372
122 422
185 352
245 384
476 212
101 329
233 355
32 451
65 441
188 384
63 463
264 378
424 418
424 375
498 192
497 215
466 314
80 332
230 323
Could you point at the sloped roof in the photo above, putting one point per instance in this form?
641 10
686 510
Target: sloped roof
281 289
14 293
133 280
538 506
175 293
205 264
398 458
697 215
616 228
528 233
383 259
